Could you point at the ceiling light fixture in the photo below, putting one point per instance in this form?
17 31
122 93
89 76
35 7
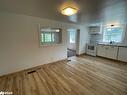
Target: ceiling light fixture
69 11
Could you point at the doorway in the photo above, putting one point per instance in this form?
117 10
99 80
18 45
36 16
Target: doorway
72 42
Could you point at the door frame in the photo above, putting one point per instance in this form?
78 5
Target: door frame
77 39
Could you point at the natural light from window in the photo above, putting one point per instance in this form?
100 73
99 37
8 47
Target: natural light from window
50 36
47 37
72 36
113 33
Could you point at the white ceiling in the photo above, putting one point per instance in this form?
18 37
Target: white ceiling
90 10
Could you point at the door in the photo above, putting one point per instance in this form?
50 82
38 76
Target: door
72 42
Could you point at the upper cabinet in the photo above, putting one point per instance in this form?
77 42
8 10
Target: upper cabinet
95 30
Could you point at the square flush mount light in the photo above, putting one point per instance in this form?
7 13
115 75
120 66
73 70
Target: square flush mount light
69 11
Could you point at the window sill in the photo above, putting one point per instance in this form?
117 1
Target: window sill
50 45
113 44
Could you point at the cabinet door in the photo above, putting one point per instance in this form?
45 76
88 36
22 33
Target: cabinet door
101 50
111 52
94 29
122 54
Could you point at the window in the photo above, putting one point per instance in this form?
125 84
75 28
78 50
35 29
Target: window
113 34
72 35
50 36
47 37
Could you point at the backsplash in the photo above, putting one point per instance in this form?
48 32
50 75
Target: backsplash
96 38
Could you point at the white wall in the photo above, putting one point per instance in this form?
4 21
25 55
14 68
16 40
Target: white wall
19 45
112 14
84 38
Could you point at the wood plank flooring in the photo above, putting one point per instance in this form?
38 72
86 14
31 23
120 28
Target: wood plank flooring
81 76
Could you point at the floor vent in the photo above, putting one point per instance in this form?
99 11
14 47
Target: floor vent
68 60
31 72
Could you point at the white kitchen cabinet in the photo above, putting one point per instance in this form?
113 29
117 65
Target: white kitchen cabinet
107 51
122 54
95 30
111 52
101 50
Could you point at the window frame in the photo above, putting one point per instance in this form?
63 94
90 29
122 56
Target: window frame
48 43
122 36
44 37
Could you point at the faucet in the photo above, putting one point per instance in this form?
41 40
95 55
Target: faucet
111 42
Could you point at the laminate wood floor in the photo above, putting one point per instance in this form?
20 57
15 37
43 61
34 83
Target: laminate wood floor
81 76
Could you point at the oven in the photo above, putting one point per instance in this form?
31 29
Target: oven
91 49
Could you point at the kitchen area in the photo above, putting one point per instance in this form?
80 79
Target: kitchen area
108 41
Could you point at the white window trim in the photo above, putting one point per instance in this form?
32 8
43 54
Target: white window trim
124 31
51 44
123 34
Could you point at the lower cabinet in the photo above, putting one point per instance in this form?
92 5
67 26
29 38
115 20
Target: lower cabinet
111 52
107 51
101 50
122 54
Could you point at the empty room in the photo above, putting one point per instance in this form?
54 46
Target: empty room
63 47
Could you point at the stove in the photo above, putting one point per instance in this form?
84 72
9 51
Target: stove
91 49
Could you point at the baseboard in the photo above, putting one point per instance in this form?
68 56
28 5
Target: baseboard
115 60
71 49
112 59
80 54
29 69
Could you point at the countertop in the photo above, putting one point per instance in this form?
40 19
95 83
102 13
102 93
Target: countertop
118 45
